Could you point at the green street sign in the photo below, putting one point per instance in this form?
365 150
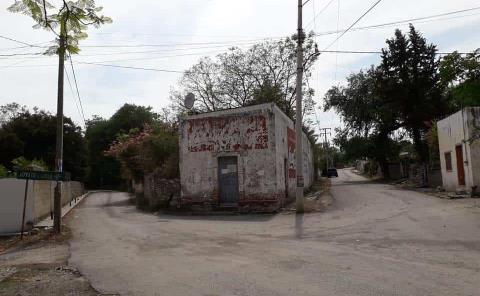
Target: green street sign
42 175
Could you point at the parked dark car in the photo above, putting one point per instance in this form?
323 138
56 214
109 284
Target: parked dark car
332 172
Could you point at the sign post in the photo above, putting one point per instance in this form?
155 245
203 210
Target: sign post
37 175
24 207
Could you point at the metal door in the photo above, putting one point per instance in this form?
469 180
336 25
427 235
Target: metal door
228 180
460 169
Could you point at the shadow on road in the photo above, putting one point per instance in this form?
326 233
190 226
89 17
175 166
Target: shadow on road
234 217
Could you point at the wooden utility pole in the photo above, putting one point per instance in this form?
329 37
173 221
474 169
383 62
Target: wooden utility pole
325 132
298 118
57 199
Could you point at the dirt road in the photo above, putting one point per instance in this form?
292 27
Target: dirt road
375 240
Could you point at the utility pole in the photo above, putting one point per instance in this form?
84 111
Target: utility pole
298 121
326 132
57 199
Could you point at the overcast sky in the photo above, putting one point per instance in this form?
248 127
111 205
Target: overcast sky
32 81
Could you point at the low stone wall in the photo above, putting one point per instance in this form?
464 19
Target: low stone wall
160 191
43 192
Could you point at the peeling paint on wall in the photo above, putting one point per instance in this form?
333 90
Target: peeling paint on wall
227 134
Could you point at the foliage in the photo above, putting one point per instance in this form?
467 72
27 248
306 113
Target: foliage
70 21
21 163
9 111
461 75
264 73
3 171
432 141
32 135
104 170
140 152
409 77
382 105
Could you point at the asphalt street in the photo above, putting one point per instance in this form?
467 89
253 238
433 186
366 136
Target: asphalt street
374 240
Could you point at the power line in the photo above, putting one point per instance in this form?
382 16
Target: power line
178 71
21 54
405 21
17 41
73 96
76 86
354 23
130 67
319 13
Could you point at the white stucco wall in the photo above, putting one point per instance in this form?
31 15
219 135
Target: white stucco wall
257 135
453 131
11 205
39 201
285 149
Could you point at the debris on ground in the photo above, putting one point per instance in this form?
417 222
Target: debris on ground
317 199
37 265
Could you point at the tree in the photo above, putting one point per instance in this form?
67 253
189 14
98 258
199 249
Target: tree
32 135
409 76
403 94
461 76
242 77
141 152
68 23
9 111
368 117
104 170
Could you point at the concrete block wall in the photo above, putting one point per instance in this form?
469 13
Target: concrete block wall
39 201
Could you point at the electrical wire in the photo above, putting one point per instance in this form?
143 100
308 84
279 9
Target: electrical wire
406 21
354 23
76 87
319 13
73 96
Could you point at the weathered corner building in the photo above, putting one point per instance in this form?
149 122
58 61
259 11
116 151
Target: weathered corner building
459 146
243 158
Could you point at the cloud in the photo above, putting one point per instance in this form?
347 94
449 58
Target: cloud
103 89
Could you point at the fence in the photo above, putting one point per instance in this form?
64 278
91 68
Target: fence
39 201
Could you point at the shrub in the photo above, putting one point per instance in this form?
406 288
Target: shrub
3 171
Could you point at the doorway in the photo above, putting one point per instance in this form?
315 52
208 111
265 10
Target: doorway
460 168
228 180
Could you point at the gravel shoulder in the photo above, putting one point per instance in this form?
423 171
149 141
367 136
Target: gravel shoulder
38 266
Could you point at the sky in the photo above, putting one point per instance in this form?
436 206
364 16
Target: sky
185 30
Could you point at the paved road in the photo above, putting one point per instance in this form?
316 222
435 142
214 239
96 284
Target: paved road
375 240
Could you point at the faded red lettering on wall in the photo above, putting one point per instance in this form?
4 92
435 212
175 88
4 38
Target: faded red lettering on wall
291 140
292 173
228 133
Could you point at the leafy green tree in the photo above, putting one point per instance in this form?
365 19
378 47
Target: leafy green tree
104 170
21 163
242 77
368 116
461 75
69 22
32 135
409 77
141 152
3 171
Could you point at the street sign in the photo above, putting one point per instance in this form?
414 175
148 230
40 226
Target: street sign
43 175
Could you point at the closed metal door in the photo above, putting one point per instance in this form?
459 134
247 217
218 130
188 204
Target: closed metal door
460 169
228 180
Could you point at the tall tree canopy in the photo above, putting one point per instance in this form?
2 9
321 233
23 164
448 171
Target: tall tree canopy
409 77
243 77
400 97
32 135
103 170
461 75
